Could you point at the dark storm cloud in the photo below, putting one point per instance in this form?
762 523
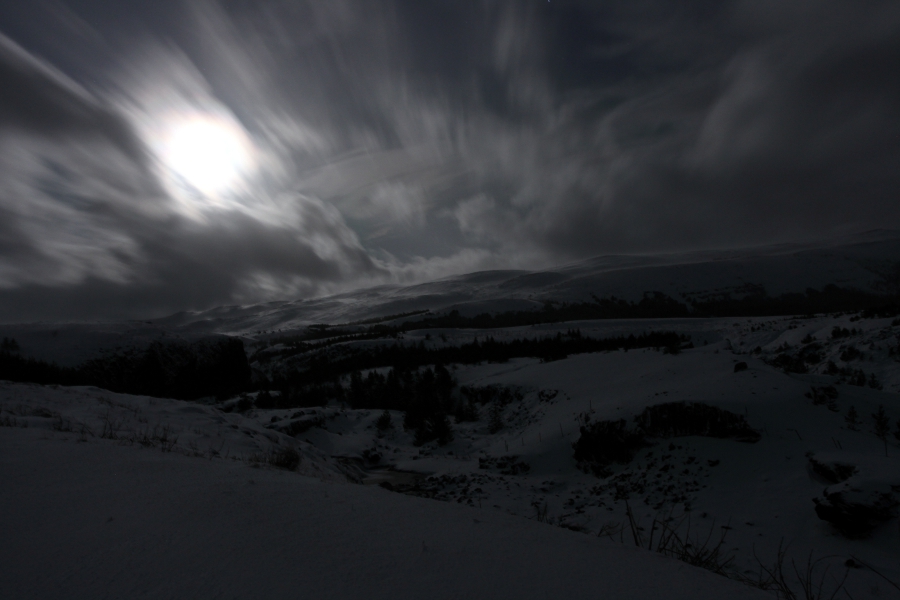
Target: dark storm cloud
38 99
403 140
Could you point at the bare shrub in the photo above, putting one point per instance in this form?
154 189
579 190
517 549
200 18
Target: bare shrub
704 551
675 419
809 582
281 457
61 424
605 442
812 581
161 436
111 426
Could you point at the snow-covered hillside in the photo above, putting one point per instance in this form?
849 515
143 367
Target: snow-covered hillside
573 459
212 504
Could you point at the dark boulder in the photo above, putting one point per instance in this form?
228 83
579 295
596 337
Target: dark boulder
856 512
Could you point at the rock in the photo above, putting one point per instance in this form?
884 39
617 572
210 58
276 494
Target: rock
831 471
856 511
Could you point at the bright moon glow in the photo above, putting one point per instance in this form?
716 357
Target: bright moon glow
210 154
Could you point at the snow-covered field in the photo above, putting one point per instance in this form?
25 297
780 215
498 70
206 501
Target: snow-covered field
126 496
110 495
99 520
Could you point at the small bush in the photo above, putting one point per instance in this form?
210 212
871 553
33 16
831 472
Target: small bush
823 395
61 424
465 411
495 417
506 465
384 422
850 353
294 428
9 345
840 332
244 404
279 457
491 393
265 400
852 419
605 442
160 435
882 426
547 395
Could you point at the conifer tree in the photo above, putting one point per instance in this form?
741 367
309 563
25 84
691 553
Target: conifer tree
495 417
882 426
852 419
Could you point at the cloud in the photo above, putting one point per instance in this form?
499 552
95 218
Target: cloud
403 140
90 226
39 99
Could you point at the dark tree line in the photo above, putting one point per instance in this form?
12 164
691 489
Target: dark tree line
328 366
212 367
654 305
424 395
419 384
15 367
830 299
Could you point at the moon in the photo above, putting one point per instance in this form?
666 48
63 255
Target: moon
207 153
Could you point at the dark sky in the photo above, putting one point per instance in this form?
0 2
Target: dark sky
159 155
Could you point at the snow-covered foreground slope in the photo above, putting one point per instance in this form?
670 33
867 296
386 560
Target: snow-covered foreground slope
99 520
74 457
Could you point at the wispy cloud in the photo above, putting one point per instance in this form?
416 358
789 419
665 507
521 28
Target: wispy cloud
394 141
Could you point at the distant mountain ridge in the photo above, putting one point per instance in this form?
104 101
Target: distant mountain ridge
661 285
868 262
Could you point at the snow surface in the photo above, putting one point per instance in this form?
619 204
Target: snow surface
97 520
111 495
188 521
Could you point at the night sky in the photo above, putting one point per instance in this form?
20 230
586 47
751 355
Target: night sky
164 155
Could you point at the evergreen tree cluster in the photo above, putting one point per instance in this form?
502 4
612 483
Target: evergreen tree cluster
497 396
602 443
328 366
187 371
654 305
426 396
